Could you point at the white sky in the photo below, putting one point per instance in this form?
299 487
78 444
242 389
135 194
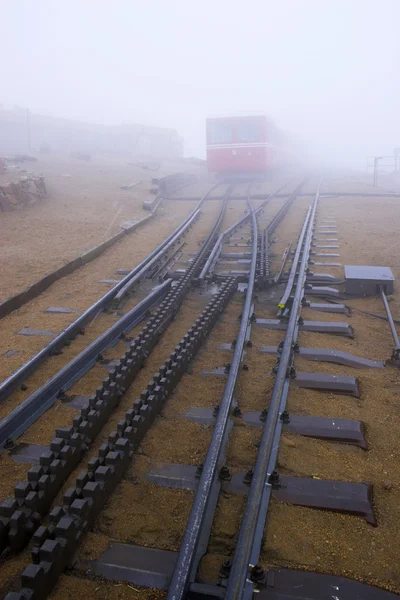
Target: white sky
327 71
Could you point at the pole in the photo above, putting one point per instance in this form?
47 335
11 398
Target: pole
375 172
28 126
376 166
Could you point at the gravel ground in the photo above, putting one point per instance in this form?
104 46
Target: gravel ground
84 207
321 540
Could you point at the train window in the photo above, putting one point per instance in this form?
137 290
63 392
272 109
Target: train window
221 133
248 131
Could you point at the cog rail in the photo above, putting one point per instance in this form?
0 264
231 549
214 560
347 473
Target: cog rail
77 326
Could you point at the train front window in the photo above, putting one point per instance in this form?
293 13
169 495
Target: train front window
221 133
248 131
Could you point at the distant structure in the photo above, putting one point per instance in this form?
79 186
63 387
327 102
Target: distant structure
21 131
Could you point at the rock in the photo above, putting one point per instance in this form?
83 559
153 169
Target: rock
387 485
80 155
288 442
128 224
19 158
16 195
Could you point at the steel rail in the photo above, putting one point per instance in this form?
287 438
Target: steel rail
283 262
26 413
219 243
209 477
212 259
124 290
119 379
392 326
112 460
295 263
294 268
264 246
239 585
37 403
199 524
77 326
218 225
305 194
279 216
163 269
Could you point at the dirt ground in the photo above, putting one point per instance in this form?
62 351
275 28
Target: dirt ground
84 207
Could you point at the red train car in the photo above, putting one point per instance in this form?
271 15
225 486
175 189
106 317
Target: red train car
247 145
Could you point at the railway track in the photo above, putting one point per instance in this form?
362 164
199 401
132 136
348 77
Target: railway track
19 535
24 415
154 267
202 457
30 410
116 294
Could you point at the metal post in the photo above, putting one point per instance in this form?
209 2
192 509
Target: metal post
376 166
396 153
375 173
28 127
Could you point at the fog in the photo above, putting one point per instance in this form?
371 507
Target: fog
326 71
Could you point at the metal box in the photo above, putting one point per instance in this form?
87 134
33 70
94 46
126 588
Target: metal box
365 281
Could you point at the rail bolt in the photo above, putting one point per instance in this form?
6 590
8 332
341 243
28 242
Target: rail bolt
225 474
285 418
237 412
257 573
199 470
264 414
248 476
225 568
9 444
274 479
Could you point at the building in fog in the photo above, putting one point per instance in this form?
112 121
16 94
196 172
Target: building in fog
22 131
